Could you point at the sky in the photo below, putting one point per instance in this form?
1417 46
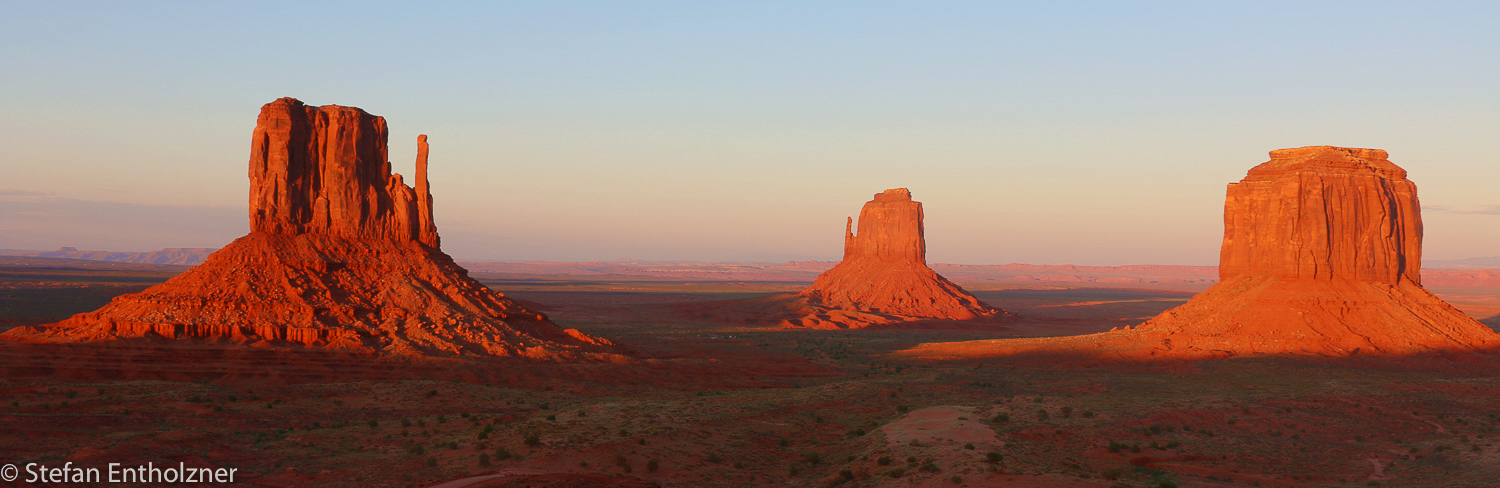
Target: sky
1094 133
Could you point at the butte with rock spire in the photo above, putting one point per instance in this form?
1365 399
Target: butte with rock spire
1321 256
341 255
883 281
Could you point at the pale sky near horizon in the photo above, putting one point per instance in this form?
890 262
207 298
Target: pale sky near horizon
1098 133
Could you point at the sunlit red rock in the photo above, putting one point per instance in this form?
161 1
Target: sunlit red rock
1321 256
884 275
341 255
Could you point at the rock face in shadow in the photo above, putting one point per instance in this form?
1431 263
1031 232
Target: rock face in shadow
1321 256
884 276
341 255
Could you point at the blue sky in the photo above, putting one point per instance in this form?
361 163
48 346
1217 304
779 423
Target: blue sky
1045 132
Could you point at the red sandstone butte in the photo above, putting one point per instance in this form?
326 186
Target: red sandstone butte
884 275
1321 256
341 255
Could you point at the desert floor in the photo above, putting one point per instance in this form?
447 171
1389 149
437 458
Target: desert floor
713 405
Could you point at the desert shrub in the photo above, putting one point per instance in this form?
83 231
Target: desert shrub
969 446
883 461
583 413
912 460
1110 474
857 432
1115 446
583 464
994 457
783 442
484 459
231 398
623 432
641 441
464 415
956 479
902 408
193 399
846 475
442 419
1154 445
551 418
432 461
416 449
1154 428
431 393
1088 414
793 470
620 460
532 440
1067 412
1173 445
929 467
812 458
453 445
1166 484
374 424
896 473
502 454
1135 448
713 457
218 408
1041 414
652 465
739 465
1001 418
1245 410
544 406
405 423
483 435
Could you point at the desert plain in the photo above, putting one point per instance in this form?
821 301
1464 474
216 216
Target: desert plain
705 402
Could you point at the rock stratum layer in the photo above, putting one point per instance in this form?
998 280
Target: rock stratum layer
341 255
1321 256
884 277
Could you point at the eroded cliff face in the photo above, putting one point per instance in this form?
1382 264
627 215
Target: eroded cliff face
885 273
1321 255
1324 213
341 255
324 170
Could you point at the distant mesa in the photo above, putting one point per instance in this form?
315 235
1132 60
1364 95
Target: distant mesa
342 255
1321 257
180 256
883 280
